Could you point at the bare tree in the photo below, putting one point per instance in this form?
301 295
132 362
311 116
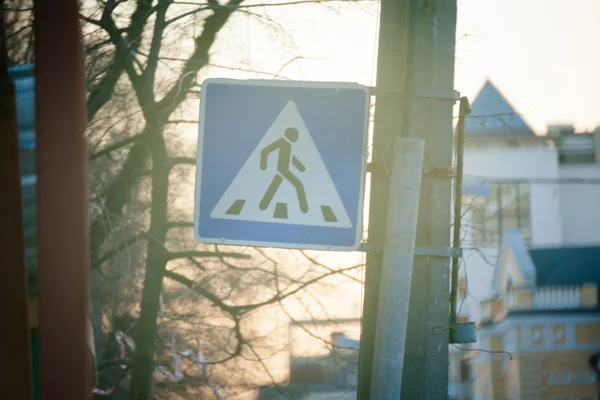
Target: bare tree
143 60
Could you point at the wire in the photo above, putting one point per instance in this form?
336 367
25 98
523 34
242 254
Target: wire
437 330
485 351
547 181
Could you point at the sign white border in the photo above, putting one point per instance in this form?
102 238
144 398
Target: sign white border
289 84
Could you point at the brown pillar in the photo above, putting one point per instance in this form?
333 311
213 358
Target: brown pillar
63 241
15 379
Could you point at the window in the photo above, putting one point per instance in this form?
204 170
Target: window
584 378
586 158
507 207
559 378
465 371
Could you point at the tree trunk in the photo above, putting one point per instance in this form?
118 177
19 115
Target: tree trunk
118 194
145 337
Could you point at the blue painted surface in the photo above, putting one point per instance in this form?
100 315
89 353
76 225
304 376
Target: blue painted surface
476 188
567 266
235 119
24 80
492 115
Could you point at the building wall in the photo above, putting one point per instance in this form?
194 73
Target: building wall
478 270
498 379
510 270
454 378
560 214
580 204
549 375
487 366
512 378
524 163
545 364
586 333
540 161
482 380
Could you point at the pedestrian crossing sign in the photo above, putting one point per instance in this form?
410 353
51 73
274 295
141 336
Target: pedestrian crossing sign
281 164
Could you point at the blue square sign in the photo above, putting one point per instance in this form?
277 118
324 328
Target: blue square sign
281 164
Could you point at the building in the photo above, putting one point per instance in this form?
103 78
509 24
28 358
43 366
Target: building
542 192
541 329
545 189
322 368
579 164
543 185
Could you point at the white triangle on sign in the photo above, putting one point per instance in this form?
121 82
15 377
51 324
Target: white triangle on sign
285 191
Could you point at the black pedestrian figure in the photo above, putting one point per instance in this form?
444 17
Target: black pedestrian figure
285 158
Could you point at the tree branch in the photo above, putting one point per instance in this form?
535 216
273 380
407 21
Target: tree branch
281 296
284 3
237 310
196 263
123 246
203 43
115 146
191 253
182 121
138 22
117 361
17 9
149 74
183 160
125 52
180 224
118 193
320 264
188 13
101 93
208 295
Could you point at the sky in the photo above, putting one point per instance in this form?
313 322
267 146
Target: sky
543 55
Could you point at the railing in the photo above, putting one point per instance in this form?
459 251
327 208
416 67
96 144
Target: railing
557 297
545 298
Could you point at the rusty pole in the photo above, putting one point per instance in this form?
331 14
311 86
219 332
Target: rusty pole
65 360
15 380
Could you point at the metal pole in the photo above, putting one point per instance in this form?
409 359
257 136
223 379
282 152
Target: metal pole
398 255
391 81
460 150
63 241
428 115
15 380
